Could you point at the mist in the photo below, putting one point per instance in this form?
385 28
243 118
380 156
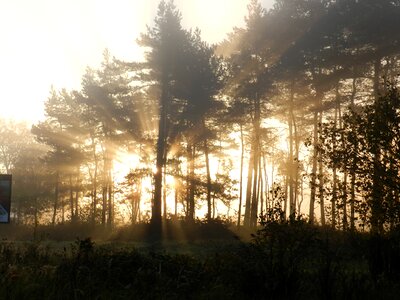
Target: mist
262 163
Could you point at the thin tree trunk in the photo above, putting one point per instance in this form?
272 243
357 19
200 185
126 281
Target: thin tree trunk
334 146
71 199
256 161
208 180
254 200
62 211
260 186
352 198
104 190
191 184
313 185
290 171
56 195
161 144
104 200
345 175
246 221
164 197
266 185
273 184
353 167
296 163
376 206
36 219
285 198
77 191
110 219
300 202
241 175
317 107
133 205
321 179
376 209
94 209
176 202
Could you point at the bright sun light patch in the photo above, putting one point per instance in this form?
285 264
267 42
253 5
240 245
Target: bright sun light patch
124 163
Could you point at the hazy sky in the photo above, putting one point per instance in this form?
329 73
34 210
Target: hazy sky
50 42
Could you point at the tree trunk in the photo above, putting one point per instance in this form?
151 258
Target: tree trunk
260 187
314 168
321 178
353 167
254 199
345 175
296 163
164 197
376 205
110 196
161 145
36 219
377 69
191 181
285 195
105 189
256 162
265 207
62 210
208 180
71 199
334 146
94 209
241 175
291 170
56 195
176 201
104 202
246 221
77 191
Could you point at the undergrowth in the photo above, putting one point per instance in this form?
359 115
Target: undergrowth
284 260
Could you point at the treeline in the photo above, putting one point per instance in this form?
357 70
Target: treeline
327 70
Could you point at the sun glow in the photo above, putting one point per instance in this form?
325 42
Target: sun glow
124 163
47 43
41 47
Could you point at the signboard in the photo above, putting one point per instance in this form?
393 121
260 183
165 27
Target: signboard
5 198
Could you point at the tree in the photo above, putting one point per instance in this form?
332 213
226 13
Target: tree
32 185
13 138
248 84
370 151
165 41
61 132
109 119
186 73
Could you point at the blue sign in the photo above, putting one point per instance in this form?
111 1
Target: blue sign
5 198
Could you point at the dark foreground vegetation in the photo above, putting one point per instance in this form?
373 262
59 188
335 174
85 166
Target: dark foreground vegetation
325 71
283 260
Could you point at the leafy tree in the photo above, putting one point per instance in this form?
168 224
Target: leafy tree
370 150
164 40
108 118
32 185
61 132
186 73
249 81
13 138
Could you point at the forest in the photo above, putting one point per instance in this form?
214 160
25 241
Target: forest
284 137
